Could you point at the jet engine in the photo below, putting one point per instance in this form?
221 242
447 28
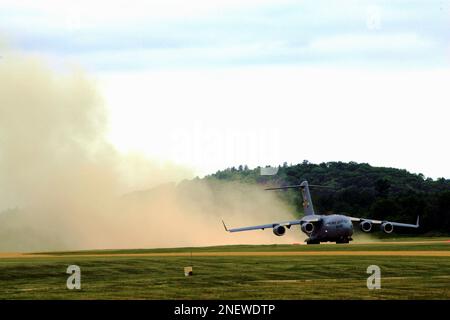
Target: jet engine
307 227
387 227
365 226
279 230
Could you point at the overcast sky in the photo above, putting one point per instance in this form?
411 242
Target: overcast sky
214 84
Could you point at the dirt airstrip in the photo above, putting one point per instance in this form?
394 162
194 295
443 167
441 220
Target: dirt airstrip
423 253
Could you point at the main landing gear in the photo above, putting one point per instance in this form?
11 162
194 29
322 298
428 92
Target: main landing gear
341 240
309 241
344 240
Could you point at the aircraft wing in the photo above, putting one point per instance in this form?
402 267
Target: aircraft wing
287 224
395 224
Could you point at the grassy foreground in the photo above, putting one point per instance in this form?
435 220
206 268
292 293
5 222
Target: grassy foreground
231 277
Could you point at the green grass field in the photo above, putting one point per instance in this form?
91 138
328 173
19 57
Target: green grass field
232 277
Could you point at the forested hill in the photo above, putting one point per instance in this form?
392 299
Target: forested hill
360 190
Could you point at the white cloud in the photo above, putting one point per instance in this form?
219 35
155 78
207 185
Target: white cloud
125 10
121 34
384 42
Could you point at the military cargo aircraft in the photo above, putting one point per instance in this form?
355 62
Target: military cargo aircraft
323 228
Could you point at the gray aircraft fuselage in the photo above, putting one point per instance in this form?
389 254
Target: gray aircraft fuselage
333 228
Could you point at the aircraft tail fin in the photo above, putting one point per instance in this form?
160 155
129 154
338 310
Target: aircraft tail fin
304 189
307 201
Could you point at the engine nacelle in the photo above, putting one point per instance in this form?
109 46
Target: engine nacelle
307 227
365 226
387 227
279 230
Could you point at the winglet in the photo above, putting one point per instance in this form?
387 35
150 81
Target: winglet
417 222
224 225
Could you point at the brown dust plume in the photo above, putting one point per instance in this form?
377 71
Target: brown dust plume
63 186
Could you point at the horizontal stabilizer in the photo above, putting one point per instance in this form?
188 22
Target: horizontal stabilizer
296 186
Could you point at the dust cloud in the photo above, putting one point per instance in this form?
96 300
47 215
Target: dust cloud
63 186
